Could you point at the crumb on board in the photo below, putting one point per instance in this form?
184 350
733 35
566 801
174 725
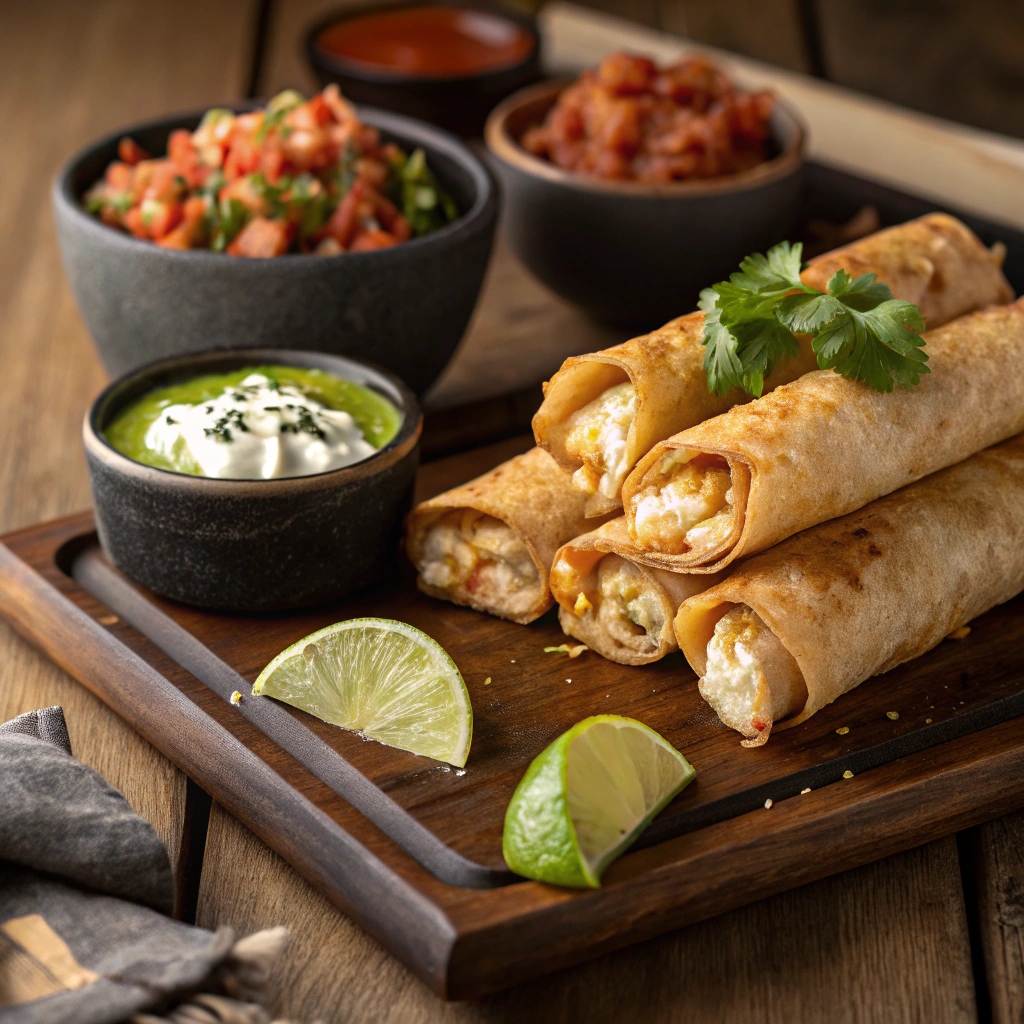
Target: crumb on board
927 721
768 804
487 681
573 652
847 774
959 634
513 661
804 792
109 620
236 697
893 715
842 730
568 680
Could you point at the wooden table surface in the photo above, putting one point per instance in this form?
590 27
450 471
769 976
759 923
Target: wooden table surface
932 934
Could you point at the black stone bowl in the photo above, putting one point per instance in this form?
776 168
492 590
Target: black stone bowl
405 307
632 253
251 545
459 103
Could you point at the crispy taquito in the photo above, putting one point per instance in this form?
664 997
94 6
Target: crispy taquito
618 607
604 411
823 446
489 544
792 629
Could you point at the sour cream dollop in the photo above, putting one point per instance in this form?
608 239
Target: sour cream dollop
259 430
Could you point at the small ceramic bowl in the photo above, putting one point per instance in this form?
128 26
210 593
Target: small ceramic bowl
459 103
251 545
405 307
628 252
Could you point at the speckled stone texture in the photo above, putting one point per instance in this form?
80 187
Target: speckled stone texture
251 545
405 308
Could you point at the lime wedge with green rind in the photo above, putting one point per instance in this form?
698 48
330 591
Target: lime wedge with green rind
587 797
379 677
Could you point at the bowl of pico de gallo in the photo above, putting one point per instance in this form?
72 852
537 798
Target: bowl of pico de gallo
306 224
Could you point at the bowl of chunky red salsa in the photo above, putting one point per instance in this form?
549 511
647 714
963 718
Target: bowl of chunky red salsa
631 188
446 63
299 176
375 229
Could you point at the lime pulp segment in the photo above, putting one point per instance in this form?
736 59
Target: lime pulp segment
587 797
379 677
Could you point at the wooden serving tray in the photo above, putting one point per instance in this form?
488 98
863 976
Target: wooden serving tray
412 849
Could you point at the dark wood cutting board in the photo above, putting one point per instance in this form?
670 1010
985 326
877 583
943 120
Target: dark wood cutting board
412 848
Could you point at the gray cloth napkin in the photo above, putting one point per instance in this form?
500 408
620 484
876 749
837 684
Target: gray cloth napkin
85 885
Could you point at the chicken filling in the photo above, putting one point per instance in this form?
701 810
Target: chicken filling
689 504
628 609
480 559
596 436
751 680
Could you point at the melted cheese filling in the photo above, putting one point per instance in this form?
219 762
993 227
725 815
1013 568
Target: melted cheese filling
627 609
480 559
750 680
597 437
688 505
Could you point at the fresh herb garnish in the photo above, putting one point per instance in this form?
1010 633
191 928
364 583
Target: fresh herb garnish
425 204
857 328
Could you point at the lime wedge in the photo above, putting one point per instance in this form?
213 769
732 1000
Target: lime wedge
384 679
587 797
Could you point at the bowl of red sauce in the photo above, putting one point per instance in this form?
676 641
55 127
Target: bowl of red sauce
634 187
449 64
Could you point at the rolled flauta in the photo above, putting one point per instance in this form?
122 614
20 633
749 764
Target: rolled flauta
616 606
823 446
603 411
792 629
489 544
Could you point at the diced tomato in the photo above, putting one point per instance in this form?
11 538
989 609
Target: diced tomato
119 176
343 223
261 238
191 232
182 152
272 161
243 155
133 222
165 183
179 238
366 241
246 193
130 152
160 216
314 113
387 213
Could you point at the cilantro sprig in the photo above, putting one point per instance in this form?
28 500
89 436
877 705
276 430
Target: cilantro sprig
856 327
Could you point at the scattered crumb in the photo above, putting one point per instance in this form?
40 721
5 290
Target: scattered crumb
804 792
236 697
847 774
768 804
842 730
927 721
961 702
460 772
582 604
109 620
568 680
487 681
959 634
573 652
892 714
607 695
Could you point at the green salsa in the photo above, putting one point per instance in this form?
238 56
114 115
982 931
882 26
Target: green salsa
374 415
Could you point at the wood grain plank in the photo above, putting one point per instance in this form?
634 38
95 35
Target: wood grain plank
70 72
768 30
884 943
998 848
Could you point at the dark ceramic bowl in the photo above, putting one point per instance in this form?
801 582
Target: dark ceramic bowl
459 103
251 545
633 253
405 308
